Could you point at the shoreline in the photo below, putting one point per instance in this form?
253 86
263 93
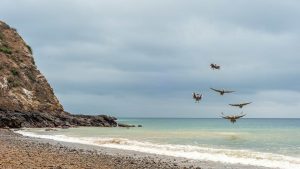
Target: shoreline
28 152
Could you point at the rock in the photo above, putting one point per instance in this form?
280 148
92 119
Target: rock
65 127
140 125
15 119
50 129
125 125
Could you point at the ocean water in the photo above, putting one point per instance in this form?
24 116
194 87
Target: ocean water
271 143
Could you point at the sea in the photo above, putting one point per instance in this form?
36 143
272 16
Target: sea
264 142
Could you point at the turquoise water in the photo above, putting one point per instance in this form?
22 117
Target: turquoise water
267 135
261 142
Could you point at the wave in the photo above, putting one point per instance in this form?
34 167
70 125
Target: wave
245 157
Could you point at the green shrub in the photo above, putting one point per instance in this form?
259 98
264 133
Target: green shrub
15 72
29 48
5 50
33 61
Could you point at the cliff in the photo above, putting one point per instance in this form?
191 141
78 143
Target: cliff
22 86
26 98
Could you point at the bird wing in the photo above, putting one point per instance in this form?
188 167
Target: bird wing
216 90
240 116
228 91
224 117
240 104
200 96
243 104
234 104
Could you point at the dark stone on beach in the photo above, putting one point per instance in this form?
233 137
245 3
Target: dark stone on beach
50 129
140 125
125 125
16 119
65 127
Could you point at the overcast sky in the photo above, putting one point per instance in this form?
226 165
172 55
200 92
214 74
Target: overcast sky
144 58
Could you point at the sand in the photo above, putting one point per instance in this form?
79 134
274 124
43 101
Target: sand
25 153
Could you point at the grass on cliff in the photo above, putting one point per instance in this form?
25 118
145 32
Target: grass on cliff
5 50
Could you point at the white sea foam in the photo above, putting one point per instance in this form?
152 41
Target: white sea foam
245 157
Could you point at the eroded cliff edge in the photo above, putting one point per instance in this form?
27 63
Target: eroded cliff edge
26 98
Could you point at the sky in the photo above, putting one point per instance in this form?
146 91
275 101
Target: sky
142 58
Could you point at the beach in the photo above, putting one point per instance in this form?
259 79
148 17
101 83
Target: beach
21 152
26 152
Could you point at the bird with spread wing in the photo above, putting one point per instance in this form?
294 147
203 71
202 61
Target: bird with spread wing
197 97
222 92
232 118
215 66
240 105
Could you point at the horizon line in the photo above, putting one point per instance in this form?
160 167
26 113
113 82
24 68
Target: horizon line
206 118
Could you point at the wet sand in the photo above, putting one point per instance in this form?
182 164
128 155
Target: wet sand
23 152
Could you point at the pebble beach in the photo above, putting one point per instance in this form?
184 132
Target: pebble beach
22 152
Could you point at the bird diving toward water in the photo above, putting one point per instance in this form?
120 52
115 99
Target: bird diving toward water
232 118
222 92
215 66
240 105
197 97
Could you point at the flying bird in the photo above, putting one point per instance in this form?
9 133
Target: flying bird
215 66
240 105
222 92
232 118
197 97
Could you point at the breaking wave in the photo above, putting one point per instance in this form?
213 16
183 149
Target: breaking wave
245 157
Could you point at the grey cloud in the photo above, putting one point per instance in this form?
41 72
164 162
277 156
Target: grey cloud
153 54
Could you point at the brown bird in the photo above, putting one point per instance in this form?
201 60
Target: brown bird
232 118
215 66
197 97
240 105
222 92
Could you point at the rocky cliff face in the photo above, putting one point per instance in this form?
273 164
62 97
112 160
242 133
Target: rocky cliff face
26 98
22 86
